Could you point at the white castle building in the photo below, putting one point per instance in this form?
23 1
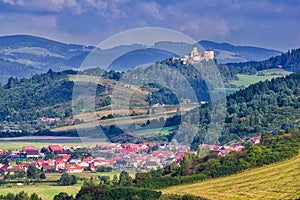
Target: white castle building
196 57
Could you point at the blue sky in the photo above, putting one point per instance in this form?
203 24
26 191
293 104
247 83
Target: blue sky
265 23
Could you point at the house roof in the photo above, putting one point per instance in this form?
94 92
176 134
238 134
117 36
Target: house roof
54 147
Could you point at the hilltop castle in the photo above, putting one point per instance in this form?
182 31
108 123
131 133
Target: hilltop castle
196 57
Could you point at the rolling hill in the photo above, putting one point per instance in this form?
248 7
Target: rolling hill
228 53
289 61
26 55
275 181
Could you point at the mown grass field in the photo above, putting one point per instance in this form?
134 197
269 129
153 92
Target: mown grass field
17 145
48 190
276 181
275 71
162 131
246 80
125 120
45 191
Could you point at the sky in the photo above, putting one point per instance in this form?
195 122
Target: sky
265 23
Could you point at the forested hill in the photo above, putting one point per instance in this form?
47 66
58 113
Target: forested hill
22 99
268 106
289 61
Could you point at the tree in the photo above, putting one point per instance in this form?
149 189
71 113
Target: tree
139 177
125 179
104 179
63 196
34 196
89 191
67 179
74 179
188 197
43 175
136 197
22 196
45 150
33 172
115 180
184 165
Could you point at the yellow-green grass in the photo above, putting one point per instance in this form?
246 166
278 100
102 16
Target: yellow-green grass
165 112
48 190
17 145
276 181
45 191
276 71
246 80
162 131
268 74
85 175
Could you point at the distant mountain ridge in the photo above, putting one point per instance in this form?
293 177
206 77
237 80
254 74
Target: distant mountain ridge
26 55
228 53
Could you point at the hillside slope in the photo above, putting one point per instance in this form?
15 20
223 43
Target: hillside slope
26 55
289 61
276 181
226 52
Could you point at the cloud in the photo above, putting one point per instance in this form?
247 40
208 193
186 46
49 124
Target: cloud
38 6
206 28
13 2
152 9
90 21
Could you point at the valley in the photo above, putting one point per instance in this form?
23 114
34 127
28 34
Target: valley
262 104
149 100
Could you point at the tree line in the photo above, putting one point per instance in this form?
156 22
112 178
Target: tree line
289 61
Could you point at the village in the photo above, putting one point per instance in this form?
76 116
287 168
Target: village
76 159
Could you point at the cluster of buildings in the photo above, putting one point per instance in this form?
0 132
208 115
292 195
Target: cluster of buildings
50 119
141 157
196 57
130 157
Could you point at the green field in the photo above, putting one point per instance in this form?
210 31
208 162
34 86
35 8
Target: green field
47 191
276 181
162 131
14 145
275 71
246 80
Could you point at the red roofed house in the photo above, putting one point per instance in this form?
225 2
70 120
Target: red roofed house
74 169
150 144
26 148
60 163
54 147
255 140
125 151
2 151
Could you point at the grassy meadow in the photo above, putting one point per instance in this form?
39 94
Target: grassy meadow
47 191
17 145
277 181
44 190
246 80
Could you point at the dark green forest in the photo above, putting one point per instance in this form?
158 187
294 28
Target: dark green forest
289 61
269 106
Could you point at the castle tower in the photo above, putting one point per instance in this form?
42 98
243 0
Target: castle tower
194 52
209 55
